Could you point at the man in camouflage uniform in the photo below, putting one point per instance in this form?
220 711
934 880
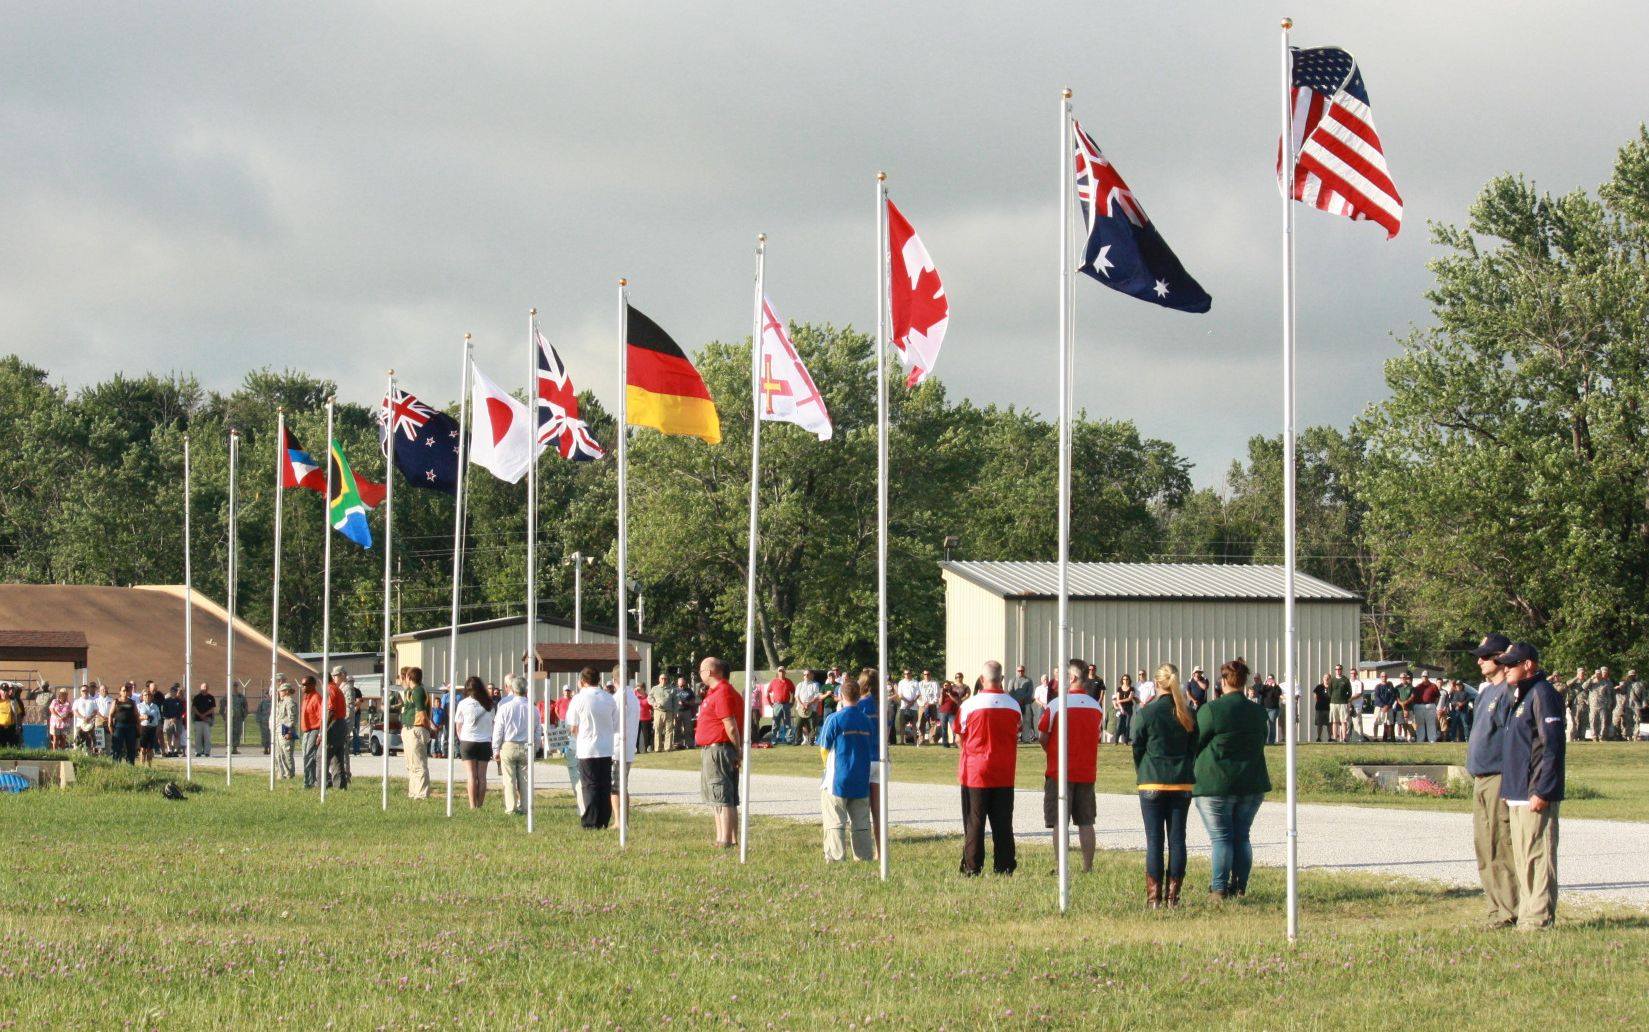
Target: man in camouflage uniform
663 700
1574 693
1627 701
1601 700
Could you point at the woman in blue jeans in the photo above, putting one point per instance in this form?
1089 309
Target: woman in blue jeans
1231 779
1163 734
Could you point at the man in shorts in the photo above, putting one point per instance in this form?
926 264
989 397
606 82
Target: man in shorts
1082 752
719 737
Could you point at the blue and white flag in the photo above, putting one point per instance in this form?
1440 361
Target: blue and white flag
1124 251
426 452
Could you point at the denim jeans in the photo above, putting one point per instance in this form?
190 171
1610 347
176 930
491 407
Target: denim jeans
782 730
1272 725
1164 814
1228 819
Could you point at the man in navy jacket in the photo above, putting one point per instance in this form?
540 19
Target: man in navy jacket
1531 783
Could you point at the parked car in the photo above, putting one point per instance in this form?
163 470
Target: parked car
380 736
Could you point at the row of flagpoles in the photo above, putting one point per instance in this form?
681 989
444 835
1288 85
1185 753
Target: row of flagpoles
1329 156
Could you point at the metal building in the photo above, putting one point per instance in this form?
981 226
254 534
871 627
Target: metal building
1125 617
490 649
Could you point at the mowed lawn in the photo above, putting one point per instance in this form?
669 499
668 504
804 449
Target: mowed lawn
1617 772
244 908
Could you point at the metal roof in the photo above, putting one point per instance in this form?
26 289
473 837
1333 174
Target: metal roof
443 630
1200 581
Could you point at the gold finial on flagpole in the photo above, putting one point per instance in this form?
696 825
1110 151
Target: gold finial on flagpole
623 282
1066 93
391 372
534 311
881 177
466 338
1288 23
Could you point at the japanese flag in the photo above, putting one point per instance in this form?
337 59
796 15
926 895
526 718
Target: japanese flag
500 440
786 392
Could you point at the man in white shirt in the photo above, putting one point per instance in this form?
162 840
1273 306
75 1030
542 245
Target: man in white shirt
85 720
1145 689
592 721
632 732
807 707
909 691
927 697
514 731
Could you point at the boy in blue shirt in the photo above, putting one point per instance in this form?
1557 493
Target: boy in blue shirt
847 743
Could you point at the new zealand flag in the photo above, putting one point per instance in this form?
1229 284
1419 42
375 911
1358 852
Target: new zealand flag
426 445
1124 251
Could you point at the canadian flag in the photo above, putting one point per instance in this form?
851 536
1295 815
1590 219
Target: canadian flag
920 310
787 392
500 438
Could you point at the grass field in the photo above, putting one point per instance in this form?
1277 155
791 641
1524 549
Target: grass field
1614 774
244 908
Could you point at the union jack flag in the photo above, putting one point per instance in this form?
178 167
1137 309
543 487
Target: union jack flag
409 414
1339 165
558 421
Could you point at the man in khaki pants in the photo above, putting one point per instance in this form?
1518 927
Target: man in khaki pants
415 731
1491 820
1531 783
663 701
513 736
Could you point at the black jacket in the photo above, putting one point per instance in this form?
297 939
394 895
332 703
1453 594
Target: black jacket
1533 740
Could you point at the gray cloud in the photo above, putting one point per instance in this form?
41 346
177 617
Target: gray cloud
342 188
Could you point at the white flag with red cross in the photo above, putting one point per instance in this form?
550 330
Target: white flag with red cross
785 391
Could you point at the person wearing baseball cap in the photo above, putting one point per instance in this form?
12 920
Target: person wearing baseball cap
1485 751
1531 783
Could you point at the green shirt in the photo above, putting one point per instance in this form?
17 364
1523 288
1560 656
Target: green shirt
414 701
1230 748
1339 691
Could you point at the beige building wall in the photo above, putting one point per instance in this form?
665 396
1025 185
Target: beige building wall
493 652
976 628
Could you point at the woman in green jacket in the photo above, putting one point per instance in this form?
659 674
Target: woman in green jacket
1231 779
1163 735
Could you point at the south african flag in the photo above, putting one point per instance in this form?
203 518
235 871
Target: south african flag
346 508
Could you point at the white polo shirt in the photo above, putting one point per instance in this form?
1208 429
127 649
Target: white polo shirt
592 717
632 726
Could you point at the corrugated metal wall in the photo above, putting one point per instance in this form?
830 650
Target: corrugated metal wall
492 652
976 628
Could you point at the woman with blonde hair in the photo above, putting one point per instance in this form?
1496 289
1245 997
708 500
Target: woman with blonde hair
1163 737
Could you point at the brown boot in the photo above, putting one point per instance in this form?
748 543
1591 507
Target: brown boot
1173 892
1153 893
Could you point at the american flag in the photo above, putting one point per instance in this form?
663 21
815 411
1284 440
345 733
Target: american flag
1340 166
558 421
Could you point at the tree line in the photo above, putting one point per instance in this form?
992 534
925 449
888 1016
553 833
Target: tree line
1503 483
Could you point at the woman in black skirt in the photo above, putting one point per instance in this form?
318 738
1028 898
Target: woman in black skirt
474 727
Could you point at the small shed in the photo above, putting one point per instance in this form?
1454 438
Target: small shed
490 649
33 658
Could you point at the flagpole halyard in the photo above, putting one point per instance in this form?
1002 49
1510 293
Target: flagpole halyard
275 596
229 620
623 548
750 559
457 569
389 550
884 779
1061 686
1290 664
321 758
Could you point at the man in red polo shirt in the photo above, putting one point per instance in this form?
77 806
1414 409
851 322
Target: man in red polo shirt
780 691
718 738
990 750
1082 752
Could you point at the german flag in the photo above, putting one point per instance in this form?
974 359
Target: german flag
663 390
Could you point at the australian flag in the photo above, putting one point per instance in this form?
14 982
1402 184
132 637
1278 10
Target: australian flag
1124 251
426 443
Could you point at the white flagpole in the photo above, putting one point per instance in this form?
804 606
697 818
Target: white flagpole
389 551
750 562
229 643
1061 688
275 596
1290 673
326 607
885 780
457 568
188 630
623 557
532 558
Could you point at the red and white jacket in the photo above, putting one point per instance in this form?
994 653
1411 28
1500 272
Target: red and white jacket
990 740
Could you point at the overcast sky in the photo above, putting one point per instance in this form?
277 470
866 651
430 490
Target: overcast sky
341 188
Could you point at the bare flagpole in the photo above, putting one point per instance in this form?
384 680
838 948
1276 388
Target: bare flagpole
188 629
457 568
389 570
532 558
275 596
229 621
750 562
883 773
1290 671
623 556
321 759
1061 689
